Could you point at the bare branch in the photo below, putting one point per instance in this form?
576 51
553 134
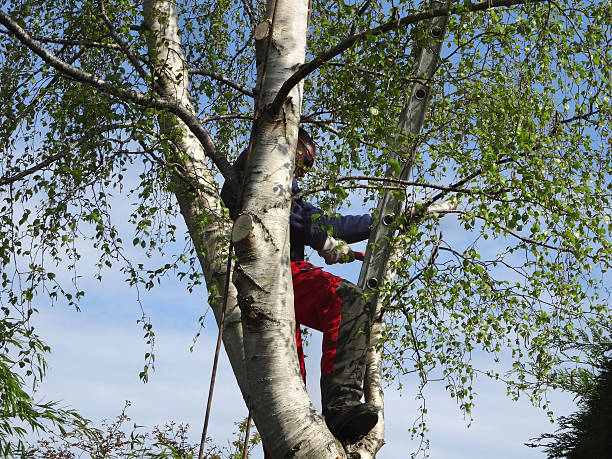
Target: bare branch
230 116
392 24
405 183
145 100
70 42
456 186
584 117
217 76
7 179
524 239
373 72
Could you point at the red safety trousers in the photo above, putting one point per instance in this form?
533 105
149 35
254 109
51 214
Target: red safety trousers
317 306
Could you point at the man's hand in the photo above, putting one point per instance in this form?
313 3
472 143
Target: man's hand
336 251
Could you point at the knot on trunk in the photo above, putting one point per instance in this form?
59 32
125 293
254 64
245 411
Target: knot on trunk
253 316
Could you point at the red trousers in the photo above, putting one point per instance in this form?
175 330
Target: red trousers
316 306
326 302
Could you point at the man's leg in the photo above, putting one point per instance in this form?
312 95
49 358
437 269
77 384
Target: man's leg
336 307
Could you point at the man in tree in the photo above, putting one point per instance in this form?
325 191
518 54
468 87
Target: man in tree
326 302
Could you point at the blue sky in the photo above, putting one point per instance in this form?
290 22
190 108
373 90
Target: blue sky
97 354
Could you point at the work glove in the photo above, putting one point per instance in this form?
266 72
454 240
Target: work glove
336 251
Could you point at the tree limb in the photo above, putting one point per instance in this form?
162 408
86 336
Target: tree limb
220 78
309 67
7 179
123 45
145 100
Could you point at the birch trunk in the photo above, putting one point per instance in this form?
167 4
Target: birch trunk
195 187
285 417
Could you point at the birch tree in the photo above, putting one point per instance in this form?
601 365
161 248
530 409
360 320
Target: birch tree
152 101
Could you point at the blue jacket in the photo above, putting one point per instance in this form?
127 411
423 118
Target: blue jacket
305 229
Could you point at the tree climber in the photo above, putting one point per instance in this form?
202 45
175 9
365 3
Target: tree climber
326 302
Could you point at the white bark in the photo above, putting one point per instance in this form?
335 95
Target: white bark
285 417
196 193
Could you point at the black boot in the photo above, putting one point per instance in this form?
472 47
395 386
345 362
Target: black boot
341 390
354 423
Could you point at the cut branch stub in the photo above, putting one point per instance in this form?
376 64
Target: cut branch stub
243 234
262 30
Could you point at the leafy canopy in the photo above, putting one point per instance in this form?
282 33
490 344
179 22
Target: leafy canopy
517 133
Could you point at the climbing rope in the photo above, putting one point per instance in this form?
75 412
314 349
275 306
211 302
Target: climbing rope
217 349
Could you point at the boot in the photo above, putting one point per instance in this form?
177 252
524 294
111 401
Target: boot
341 389
354 423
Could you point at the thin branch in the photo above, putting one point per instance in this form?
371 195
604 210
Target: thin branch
373 72
405 183
309 67
145 100
122 44
524 239
30 170
327 125
585 117
70 42
460 183
7 179
230 116
217 76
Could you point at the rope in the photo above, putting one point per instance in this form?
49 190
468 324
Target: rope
247 434
217 349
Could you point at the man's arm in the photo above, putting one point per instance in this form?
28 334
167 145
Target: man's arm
311 225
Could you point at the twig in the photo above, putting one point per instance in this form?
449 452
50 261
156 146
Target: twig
217 76
390 25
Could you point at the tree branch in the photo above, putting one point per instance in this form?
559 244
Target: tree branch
373 72
524 239
230 116
220 78
144 100
71 42
405 183
309 67
7 179
123 45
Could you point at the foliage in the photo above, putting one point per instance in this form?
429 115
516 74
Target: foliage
512 285
22 364
586 433
121 440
